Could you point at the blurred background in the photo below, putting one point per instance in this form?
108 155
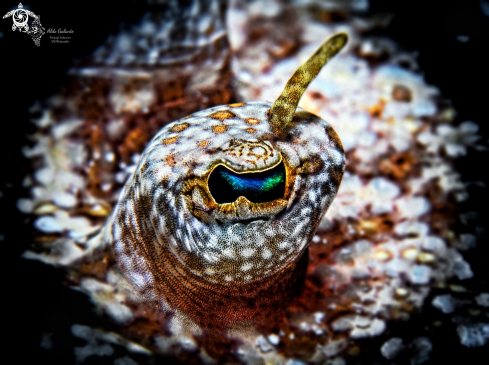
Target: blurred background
451 37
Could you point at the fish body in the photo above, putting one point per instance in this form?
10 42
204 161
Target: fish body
178 235
168 230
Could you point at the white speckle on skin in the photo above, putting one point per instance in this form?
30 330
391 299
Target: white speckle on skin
229 253
248 252
247 266
312 196
266 254
284 245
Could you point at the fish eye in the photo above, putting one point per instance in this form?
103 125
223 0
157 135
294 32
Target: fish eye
226 186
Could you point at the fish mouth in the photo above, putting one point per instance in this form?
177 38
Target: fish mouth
226 195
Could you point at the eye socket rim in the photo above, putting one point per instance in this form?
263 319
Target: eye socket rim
202 206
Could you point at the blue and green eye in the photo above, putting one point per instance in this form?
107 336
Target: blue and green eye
258 187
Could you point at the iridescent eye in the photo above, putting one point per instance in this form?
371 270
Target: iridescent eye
258 187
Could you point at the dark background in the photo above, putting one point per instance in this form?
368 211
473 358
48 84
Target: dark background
33 299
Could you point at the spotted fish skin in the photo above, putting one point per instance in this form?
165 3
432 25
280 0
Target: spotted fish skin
173 241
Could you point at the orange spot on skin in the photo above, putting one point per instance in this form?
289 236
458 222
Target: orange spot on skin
188 116
170 140
179 127
252 121
203 143
236 105
222 114
170 160
220 128
250 130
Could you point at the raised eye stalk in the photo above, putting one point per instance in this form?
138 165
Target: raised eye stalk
283 110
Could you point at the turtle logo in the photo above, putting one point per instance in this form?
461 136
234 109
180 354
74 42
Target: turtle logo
20 17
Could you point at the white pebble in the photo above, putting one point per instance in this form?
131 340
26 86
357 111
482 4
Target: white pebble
420 274
482 299
63 199
413 207
48 224
474 335
445 303
392 348
274 339
25 205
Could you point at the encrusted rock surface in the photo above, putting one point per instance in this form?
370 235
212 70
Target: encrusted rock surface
393 234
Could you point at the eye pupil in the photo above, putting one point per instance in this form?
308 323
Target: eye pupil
258 187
